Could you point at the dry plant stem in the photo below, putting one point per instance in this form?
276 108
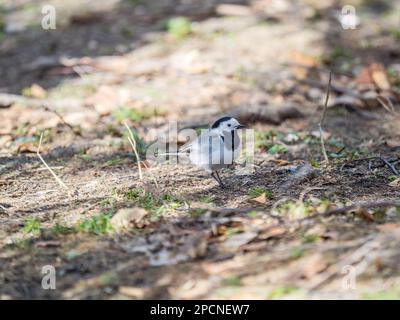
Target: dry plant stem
388 105
154 178
62 184
132 141
391 166
305 191
357 160
321 123
62 120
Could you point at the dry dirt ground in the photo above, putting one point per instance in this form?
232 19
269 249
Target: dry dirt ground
271 234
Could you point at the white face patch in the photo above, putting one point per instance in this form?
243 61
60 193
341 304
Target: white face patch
228 126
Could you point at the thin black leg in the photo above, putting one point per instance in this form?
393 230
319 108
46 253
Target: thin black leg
219 178
216 176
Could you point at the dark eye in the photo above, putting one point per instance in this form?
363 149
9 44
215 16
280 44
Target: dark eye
229 124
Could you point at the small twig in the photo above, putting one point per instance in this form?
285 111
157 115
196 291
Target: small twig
321 123
305 191
92 206
391 166
62 184
363 205
357 160
62 120
153 177
388 105
132 141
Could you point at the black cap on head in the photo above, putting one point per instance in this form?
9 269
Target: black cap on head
217 123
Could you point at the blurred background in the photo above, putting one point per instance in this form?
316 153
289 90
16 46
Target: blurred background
186 59
267 63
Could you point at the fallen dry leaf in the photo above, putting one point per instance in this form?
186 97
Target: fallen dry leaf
370 98
132 292
395 183
46 244
274 113
26 147
393 143
107 98
237 240
4 140
114 64
233 10
128 218
312 265
280 162
387 227
372 76
254 246
36 91
378 74
260 199
346 100
364 78
364 214
303 65
271 232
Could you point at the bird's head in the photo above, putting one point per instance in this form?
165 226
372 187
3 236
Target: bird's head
226 125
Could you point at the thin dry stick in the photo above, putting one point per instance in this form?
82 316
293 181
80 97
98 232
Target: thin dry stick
154 178
62 120
391 166
388 106
132 141
321 123
305 191
62 184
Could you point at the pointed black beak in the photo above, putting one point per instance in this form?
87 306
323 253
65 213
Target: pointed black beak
241 126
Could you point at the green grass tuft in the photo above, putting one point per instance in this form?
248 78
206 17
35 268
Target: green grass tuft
136 115
258 191
59 229
232 281
31 225
179 27
156 205
141 146
252 214
98 225
276 149
280 292
310 238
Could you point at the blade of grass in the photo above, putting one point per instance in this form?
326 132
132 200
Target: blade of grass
132 141
60 182
321 123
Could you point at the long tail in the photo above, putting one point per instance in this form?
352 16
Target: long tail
173 153
182 151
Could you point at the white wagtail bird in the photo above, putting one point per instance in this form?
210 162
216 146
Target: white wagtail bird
216 147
